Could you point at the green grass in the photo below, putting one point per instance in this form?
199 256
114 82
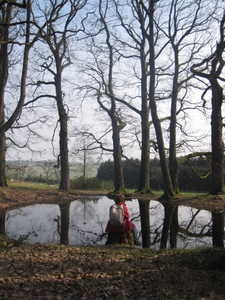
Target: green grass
193 193
31 185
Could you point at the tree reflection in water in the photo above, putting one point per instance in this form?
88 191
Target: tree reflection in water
83 222
218 229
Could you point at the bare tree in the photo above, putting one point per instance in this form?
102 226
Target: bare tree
211 68
13 3
6 17
168 188
117 124
16 171
186 35
48 168
100 71
144 45
59 16
15 17
137 50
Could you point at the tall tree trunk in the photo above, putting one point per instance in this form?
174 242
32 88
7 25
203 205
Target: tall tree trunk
217 141
173 166
117 155
3 181
144 178
117 124
168 188
63 139
5 18
65 180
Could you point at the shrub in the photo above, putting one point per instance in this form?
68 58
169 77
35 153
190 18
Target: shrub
92 183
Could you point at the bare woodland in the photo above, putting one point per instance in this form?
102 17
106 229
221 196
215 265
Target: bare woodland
140 69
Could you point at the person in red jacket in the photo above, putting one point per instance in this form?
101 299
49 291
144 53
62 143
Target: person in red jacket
127 225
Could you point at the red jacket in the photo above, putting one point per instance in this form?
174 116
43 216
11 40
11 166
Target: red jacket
125 227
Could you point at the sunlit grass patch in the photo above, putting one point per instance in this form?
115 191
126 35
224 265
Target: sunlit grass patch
31 185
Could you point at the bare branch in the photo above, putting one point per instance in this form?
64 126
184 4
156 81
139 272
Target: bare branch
13 3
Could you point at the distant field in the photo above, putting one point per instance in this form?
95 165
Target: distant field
39 171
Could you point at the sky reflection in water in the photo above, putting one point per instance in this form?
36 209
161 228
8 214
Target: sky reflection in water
84 223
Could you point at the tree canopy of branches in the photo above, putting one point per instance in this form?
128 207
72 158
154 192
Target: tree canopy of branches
133 58
58 17
8 13
211 69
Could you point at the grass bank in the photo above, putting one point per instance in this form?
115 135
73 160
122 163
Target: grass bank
22 194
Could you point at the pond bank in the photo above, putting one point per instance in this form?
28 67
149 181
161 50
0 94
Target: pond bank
14 197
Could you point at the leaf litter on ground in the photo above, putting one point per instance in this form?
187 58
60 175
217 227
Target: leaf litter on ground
69 272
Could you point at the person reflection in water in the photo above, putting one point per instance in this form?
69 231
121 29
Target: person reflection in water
127 225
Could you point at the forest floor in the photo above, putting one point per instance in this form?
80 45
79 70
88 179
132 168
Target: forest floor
60 272
106 272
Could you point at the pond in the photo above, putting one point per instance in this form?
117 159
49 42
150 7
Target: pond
83 222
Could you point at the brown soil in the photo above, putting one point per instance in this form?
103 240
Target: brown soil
14 197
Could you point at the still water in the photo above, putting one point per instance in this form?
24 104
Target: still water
83 222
